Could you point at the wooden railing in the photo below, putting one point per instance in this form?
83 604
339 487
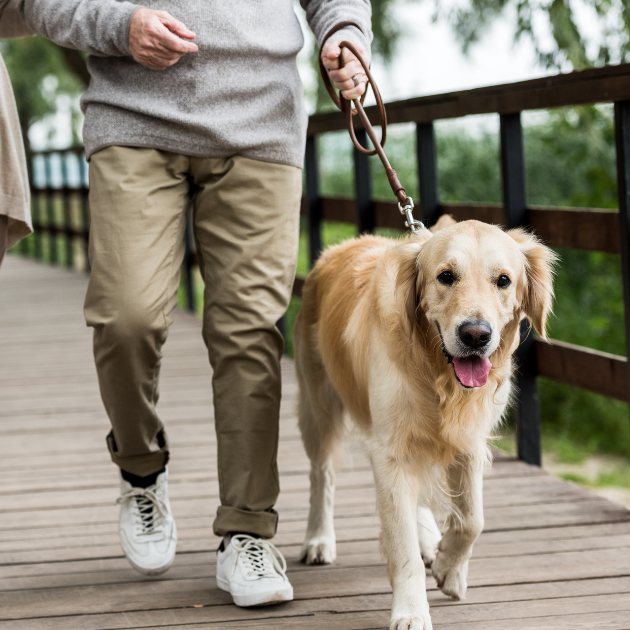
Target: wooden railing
586 229
60 210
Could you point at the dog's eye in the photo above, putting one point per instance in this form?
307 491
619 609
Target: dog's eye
503 282
446 277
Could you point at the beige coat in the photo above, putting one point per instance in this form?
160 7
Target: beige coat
15 198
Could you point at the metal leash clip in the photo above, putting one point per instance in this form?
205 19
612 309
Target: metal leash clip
407 210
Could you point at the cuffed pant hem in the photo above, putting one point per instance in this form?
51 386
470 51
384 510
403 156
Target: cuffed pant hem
141 465
230 519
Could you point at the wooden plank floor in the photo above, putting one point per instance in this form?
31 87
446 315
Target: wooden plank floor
552 555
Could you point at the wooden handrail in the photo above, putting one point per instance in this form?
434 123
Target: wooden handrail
584 87
599 372
591 229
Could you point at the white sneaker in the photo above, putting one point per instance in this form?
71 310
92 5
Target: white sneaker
253 571
148 534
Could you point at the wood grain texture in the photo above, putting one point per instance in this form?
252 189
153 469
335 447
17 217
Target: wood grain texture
589 229
552 555
595 371
598 85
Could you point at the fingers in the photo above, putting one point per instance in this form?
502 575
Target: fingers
154 40
352 69
342 77
175 26
331 52
157 63
355 92
330 55
169 42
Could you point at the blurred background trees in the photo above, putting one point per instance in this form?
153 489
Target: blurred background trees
45 77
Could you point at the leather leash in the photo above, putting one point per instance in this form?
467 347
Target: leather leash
405 203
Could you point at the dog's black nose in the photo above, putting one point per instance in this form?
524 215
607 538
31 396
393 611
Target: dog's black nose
475 333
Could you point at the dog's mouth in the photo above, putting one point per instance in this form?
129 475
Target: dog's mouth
470 371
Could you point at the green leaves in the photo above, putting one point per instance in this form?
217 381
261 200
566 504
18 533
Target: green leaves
606 42
39 74
567 37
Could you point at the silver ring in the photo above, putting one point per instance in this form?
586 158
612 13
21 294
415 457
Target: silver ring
355 81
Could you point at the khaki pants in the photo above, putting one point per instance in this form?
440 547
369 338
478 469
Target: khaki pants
246 225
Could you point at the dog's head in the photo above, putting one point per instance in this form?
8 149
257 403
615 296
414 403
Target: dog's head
472 283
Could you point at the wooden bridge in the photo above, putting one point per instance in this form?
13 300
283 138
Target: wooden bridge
552 556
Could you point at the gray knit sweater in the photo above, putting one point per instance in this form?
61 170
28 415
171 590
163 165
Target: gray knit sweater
239 95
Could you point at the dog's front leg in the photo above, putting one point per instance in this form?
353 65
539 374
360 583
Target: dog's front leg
397 495
464 525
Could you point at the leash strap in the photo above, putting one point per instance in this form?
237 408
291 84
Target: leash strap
405 203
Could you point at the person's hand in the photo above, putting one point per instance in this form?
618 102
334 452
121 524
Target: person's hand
342 79
154 39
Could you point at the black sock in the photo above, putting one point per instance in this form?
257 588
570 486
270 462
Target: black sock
141 482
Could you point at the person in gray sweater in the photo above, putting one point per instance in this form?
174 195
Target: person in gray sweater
197 104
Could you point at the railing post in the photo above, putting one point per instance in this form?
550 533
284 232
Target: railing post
25 248
363 187
516 215
313 200
67 212
51 219
85 208
622 141
36 208
427 173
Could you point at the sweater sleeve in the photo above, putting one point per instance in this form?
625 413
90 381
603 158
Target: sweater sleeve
11 24
97 27
322 15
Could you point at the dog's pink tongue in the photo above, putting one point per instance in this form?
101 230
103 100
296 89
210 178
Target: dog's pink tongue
472 371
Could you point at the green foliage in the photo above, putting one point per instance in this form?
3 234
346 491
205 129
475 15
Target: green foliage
385 28
610 18
619 476
574 478
469 22
580 140
590 422
589 305
567 35
39 75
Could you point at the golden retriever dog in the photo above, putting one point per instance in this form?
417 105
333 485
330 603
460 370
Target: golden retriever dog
413 340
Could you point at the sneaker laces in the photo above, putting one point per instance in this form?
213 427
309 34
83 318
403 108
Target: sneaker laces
261 558
150 508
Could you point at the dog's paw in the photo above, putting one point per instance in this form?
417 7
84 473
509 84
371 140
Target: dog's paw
429 536
411 622
428 557
450 576
429 541
319 550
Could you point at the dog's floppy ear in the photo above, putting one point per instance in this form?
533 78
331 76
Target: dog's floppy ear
409 279
540 262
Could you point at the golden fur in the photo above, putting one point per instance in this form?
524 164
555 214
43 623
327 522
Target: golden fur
367 344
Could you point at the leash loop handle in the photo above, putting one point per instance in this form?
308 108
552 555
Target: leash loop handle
345 106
